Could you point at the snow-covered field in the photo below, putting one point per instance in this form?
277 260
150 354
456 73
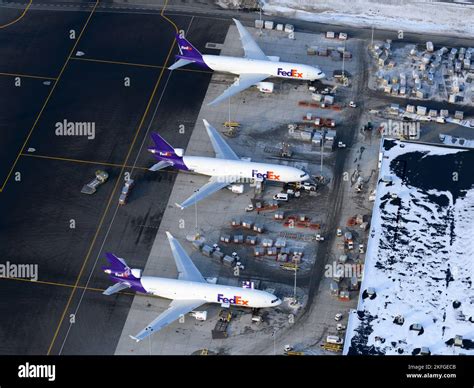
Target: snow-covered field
420 255
416 16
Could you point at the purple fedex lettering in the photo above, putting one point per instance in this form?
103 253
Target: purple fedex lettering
269 175
234 300
293 73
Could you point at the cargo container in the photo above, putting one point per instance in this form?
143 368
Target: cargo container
218 255
228 260
252 240
207 250
342 36
329 100
289 28
225 238
421 110
330 35
269 25
197 245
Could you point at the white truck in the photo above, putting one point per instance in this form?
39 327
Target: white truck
334 339
281 197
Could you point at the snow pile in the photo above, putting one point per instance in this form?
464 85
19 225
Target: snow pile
417 16
419 263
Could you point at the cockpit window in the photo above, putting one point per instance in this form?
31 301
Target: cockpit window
303 175
275 300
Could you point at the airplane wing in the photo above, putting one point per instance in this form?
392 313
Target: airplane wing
249 45
180 63
160 165
186 268
214 184
117 287
221 148
176 309
243 82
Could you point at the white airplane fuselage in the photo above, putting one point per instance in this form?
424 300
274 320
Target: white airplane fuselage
286 70
244 169
212 293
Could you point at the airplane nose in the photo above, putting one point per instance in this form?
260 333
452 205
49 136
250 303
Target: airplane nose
322 75
278 302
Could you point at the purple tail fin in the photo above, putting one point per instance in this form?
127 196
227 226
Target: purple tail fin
166 154
187 50
117 265
121 273
162 145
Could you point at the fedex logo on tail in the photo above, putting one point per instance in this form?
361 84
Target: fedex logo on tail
292 73
124 274
270 175
186 48
235 300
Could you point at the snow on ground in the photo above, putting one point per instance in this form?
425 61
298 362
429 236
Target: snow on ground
420 255
417 16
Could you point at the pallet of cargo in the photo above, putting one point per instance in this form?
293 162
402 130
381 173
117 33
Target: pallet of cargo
289 266
293 353
332 347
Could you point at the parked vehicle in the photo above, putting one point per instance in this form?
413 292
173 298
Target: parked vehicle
281 197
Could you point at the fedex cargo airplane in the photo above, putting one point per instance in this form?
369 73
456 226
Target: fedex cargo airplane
252 69
227 168
188 292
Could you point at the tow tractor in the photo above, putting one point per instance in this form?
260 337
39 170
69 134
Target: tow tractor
129 183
